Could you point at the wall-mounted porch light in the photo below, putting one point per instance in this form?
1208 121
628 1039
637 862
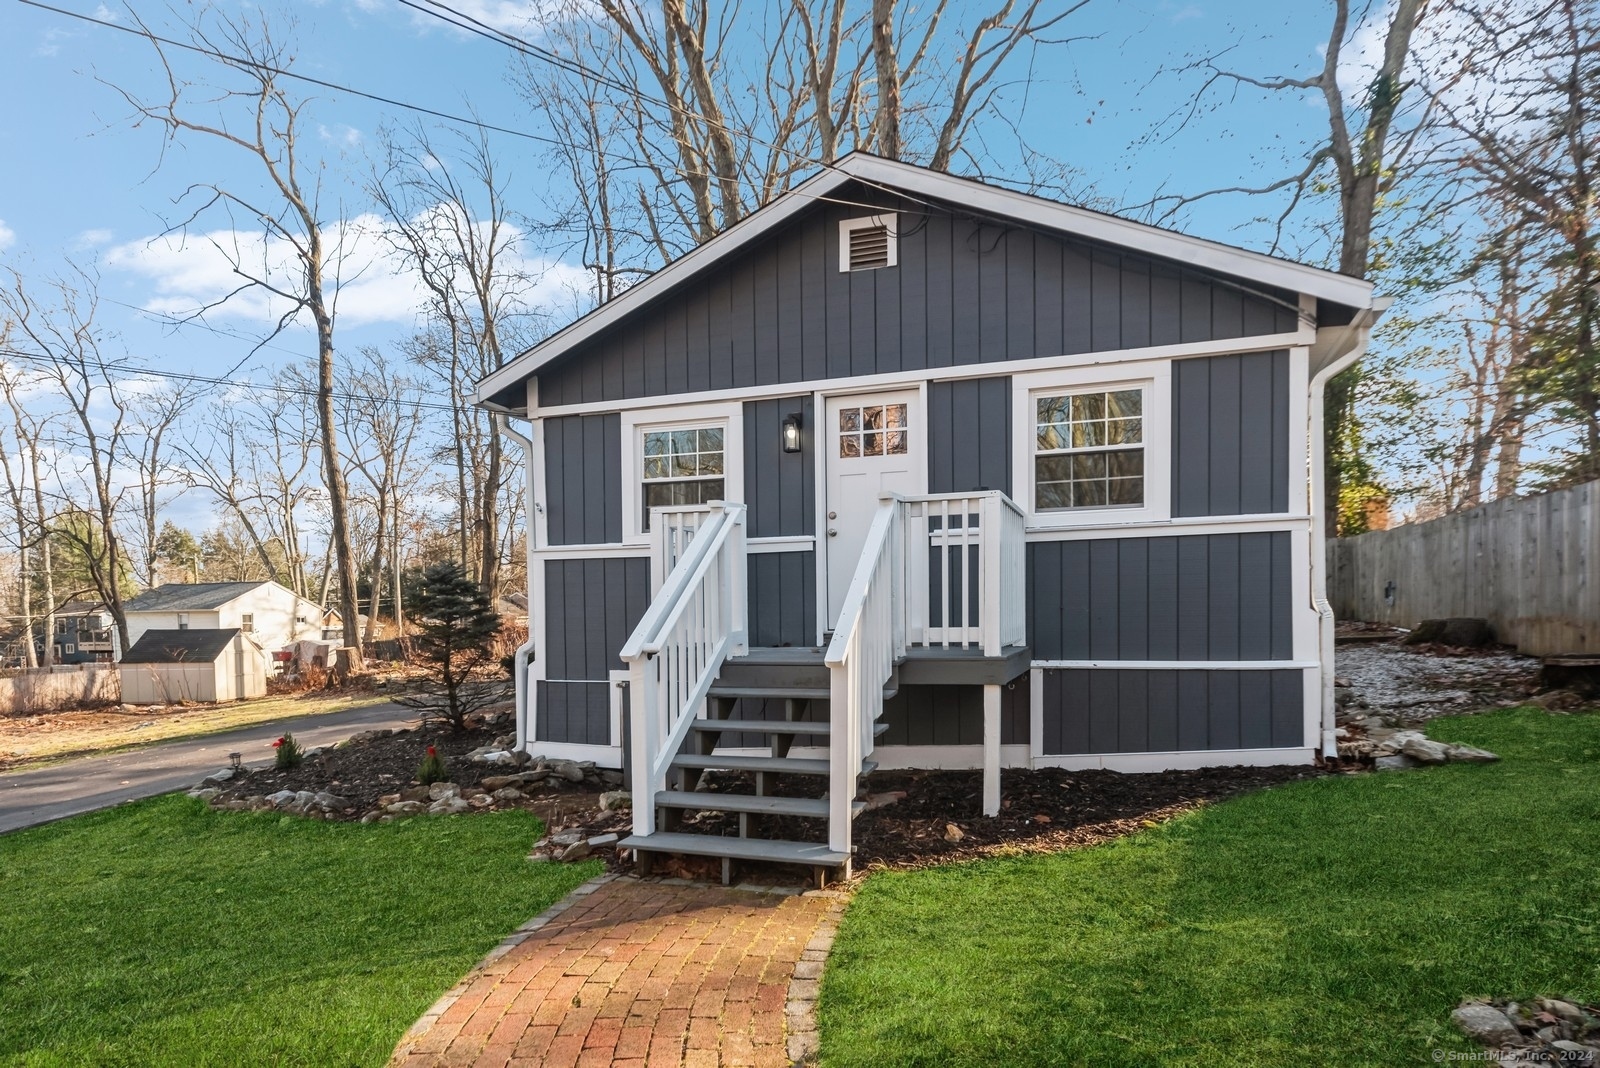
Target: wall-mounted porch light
791 432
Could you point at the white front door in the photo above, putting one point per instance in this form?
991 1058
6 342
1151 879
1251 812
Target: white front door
875 443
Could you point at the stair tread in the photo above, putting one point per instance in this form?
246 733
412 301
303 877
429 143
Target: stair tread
814 693
706 800
777 851
792 765
762 726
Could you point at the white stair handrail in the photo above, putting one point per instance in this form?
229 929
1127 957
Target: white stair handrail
868 640
698 619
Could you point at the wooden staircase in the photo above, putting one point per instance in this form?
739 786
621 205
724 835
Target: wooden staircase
748 690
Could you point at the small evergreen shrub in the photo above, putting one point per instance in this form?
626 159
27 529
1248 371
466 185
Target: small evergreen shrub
432 769
287 752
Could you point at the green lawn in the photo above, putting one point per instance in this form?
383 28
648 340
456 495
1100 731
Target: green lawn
1334 921
164 933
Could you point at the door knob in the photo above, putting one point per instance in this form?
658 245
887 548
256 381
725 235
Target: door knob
833 515
832 533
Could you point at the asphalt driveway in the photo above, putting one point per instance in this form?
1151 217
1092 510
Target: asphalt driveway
50 793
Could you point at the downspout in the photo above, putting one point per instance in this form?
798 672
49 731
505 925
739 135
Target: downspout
1347 345
525 650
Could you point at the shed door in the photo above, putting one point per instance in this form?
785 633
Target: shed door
876 443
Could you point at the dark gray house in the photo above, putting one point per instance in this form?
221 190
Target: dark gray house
909 470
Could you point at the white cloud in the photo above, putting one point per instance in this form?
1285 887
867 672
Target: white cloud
104 13
370 280
94 238
341 135
7 235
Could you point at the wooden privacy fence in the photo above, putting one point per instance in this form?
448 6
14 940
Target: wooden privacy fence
54 688
1529 565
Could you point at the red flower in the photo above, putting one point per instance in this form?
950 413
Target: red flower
277 743
432 751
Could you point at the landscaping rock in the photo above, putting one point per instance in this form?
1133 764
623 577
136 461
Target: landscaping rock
1425 750
218 777
448 806
1463 632
508 793
952 833
281 798
439 791
1470 754
575 851
331 802
367 736
205 794
567 838
416 793
1485 1024
500 782
372 817
406 808
610 777
614 800
1394 763
1565 1011
567 770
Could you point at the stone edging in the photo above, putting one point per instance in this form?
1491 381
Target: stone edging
511 941
800 1012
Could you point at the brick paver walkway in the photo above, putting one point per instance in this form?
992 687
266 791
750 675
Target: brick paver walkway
640 972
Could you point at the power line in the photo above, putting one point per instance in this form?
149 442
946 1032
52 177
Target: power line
281 72
129 370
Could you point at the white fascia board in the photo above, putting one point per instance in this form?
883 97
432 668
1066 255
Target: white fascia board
987 199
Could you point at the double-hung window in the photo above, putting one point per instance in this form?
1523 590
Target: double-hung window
682 466
1088 450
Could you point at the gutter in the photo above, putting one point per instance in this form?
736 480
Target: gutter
502 423
1345 345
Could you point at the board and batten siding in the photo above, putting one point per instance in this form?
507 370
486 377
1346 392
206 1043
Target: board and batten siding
969 435
964 292
583 479
1230 434
1164 711
783 599
1193 597
590 606
779 487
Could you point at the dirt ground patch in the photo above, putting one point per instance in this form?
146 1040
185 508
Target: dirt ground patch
41 737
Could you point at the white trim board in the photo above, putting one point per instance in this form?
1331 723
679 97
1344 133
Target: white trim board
604 756
906 757
971 195
961 372
1177 665
1178 761
1211 524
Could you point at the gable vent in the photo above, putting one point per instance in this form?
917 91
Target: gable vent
866 244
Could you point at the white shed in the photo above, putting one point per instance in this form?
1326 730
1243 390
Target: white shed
167 666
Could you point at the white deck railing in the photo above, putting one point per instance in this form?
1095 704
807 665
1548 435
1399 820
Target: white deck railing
671 532
869 638
966 569
697 619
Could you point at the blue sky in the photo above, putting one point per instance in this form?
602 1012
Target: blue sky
83 182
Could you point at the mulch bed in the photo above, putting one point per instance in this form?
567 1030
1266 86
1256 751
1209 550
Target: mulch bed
366 770
1043 810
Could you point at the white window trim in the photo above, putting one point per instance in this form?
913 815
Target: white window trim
730 417
1155 378
890 223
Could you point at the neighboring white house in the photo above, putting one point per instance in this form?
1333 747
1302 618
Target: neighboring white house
272 615
209 665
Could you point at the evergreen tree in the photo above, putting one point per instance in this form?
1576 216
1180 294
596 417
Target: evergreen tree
456 628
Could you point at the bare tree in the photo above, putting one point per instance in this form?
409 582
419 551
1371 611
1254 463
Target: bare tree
19 459
153 416
453 226
63 333
263 121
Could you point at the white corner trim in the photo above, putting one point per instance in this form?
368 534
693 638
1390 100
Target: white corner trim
1178 761
789 543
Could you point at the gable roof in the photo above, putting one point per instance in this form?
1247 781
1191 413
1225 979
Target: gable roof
190 596
979 197
180 646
